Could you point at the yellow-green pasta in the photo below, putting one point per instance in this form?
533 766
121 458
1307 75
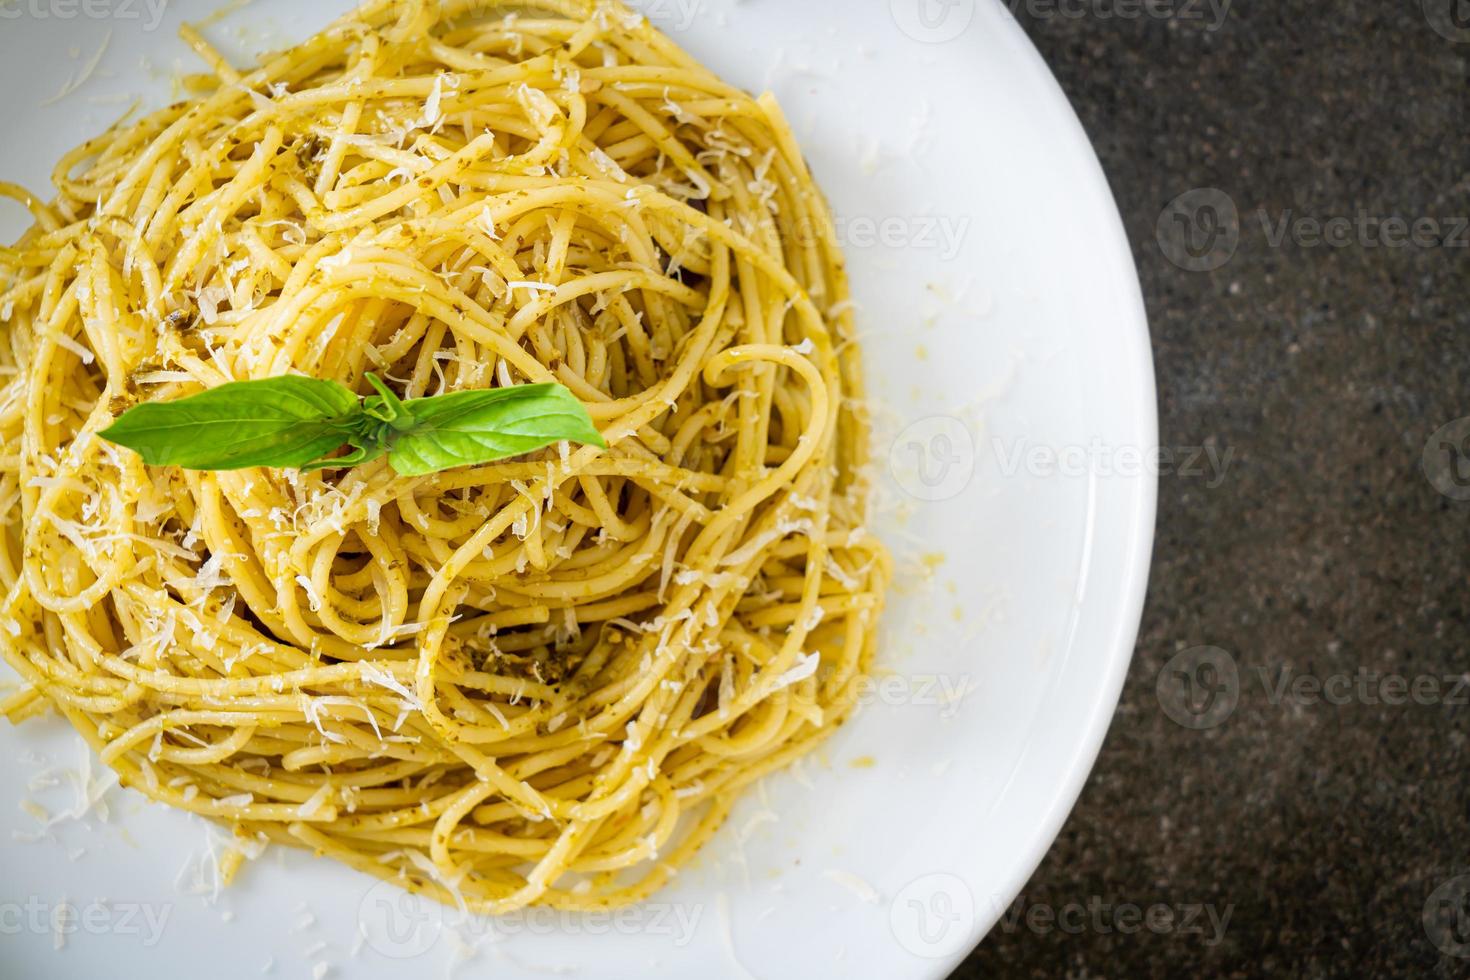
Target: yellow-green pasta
535 682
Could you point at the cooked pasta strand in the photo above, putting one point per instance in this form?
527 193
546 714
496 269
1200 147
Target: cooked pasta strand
536 682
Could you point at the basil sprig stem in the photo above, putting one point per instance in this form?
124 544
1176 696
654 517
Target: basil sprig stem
300 423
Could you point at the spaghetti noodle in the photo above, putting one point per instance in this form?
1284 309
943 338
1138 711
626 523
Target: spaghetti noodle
541 681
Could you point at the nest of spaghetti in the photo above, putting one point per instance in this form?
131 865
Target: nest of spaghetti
537 682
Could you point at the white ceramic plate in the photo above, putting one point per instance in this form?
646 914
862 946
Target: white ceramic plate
1009 360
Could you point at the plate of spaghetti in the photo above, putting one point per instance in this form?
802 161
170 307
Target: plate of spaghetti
562 486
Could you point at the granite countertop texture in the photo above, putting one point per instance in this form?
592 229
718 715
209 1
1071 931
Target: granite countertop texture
1329 822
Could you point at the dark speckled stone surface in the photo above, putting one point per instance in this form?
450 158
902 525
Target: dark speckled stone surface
1324 829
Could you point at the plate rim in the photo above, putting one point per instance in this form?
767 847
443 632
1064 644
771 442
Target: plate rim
1133 574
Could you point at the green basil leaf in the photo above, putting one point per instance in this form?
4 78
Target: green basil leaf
387 406
365 450
298 423
465 428
286 423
